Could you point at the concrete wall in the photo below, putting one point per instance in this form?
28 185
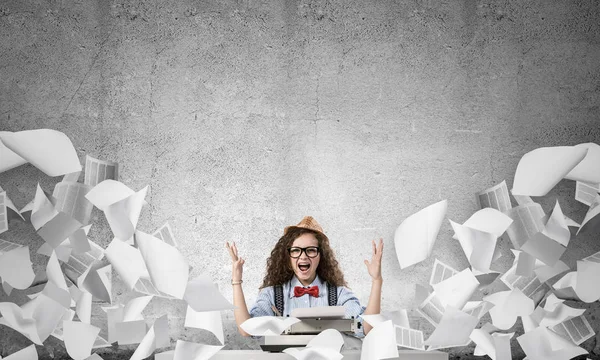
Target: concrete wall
244 116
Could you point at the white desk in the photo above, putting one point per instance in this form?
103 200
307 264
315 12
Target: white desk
348 355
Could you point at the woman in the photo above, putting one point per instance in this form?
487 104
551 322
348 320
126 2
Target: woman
303 268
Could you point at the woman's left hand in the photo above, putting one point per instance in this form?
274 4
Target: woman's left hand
374 266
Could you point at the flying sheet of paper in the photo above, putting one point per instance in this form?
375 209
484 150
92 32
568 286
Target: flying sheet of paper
49 150
576 329
486 279
586 285
97 170
556 227
46 312
79 338
43 209
16 268
587 170
325 346
453 329
538 345
508 306
134 307
3 212
432 309
127 261
98 282
123 215
489 220
477 245
544 248
168 268
409 338
114 315
564 288
84 304
12 211
157 337
56 288
523 199
10 160
167 355
107 193
527 221
477 308
541 169
63 251
495 197
79 241
545 272
165 234
28 353
585 193
416 235
58 229
202 295
496 346
380 342
457 290
145 286
14 318
130 332
559 314
595 257
591 219
77 264
71 200
329 338
185 350
207 320
421 293
440 272
399 317
267 325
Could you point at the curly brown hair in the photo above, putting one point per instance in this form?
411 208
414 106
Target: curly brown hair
279 270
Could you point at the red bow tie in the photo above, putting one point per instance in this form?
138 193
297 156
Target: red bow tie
312 291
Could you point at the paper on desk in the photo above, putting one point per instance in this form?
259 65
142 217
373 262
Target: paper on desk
556 228
14 318
489 220
457 290
495 197
202 295
541 169
453 329
207 320
587 170
528 220
49 150
79 338
127 261
123 215
591 220
477 245
98 282
538 345
157 337
28 353
416 235
586 286
496 345
70 199
544 248
130 332
43 209
167 267
97 170
15 268
508 305
380 342
267 325
185 350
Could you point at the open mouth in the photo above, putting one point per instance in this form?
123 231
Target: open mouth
303 268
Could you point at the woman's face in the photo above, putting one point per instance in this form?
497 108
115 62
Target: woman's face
304 266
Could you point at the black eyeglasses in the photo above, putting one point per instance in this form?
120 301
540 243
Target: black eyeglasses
311 251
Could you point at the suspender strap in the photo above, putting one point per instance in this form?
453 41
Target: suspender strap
332 294
278 289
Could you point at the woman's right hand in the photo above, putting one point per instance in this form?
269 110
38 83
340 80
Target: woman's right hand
236 262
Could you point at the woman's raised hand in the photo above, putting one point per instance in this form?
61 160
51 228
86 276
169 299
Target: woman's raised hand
374 266
236 262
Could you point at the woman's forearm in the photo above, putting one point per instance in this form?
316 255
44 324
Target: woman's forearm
240 313
374 305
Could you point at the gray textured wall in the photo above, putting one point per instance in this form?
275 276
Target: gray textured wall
244 116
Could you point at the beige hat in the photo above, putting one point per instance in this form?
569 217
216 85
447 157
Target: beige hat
307 222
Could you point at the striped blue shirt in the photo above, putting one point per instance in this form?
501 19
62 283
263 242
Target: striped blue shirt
265 302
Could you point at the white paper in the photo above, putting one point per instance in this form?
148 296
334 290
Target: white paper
545 272
587 170
591 219
78 264
157 337
453 329
165 234
43 209
16 268
440 272
3 212
585 193
168 268
399 317
79 338
595 257
71 200
457 290
267 325
134 307
49 150
97 282
28 353
207 320
329 338
10 159
107 193
496 346
527 221
544 248
508 306
416 235
489 220
123 215
477 308
325 346
495 197
558 314
97 170
47 313
13 317
432 309
576 329
380 342
586 287
477 245
185 350
564 288
538 343
58 229
409 338
130 332
556 227
127 261
79 241
202 295
540 170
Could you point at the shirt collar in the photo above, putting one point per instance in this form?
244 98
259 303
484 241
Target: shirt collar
316 282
